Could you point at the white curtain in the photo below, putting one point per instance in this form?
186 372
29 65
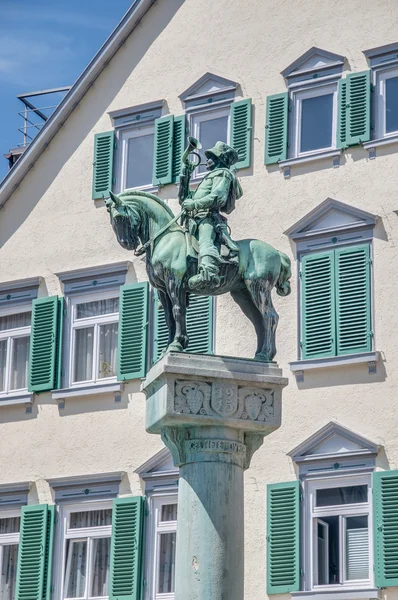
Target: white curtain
169 512
19 363
101 562
167 561
77 568
107 350
9 572
91 518
84 341
11 525
3 359
97 308
14 321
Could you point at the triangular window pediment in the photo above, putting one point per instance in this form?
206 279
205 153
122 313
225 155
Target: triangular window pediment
208 85
331 216
161 462
333 441
315 59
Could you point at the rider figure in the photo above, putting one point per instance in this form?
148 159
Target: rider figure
217 191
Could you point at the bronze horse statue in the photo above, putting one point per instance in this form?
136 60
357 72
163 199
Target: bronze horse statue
139 217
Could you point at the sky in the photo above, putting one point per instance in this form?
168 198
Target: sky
46 44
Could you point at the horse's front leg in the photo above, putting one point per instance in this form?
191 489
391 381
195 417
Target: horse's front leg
178 298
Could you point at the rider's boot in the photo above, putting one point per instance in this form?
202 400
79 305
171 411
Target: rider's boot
228 241
208 275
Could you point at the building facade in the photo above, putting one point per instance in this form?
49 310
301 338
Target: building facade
308 94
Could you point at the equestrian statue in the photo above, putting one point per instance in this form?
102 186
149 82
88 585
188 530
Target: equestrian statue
193 252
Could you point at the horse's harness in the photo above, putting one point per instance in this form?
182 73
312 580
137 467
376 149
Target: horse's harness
144 247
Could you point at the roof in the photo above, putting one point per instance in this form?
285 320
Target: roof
117 38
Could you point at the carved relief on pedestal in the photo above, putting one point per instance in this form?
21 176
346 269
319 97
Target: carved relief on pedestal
226 400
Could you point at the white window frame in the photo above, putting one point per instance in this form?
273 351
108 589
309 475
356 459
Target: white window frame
89 322
10 335
313 513
8 539
154 531
199 116
295 131
121 165
381 75
84 533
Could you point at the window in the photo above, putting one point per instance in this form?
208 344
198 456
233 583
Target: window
136 157
15 328
387 103
209 127
163 531
315 120
94 333
338 531
9 540
86 551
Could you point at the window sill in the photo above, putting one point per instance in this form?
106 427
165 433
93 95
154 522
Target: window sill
291 162
89 390
339 594
21 398
298 367
373 144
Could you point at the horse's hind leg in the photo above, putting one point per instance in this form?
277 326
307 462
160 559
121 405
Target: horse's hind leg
243 298
260 291
178 300
168 315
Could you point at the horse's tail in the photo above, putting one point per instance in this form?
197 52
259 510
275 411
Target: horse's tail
283 285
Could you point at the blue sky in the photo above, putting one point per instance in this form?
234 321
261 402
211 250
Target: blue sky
46 44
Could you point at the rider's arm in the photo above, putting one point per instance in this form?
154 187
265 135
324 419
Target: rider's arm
218 195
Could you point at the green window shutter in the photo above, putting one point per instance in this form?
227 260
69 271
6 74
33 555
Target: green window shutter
179 136
104 144
133 326
283 538
163 152
241 131
318 305
353 299
200 324
385 520
276 128
342 114
358 112
48 553
43 344
126 549
31 553
59 343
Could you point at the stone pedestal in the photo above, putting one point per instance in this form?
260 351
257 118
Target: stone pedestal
212 413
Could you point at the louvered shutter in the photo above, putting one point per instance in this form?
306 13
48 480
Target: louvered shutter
43 344
276 128
33 569
179 136
318 305
357 543
353 300
125 579
104 144
133 326
241 131
342 114
163 152
283 538
48 553
385 512
358 112
59 343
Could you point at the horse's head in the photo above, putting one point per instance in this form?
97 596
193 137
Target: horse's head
125 221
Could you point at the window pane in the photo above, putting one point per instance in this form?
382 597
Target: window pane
107 350
19 363
76 568
101 561
14 321
316 123
167 560
328 572
83 369
323 551
212 131
3 360
11 525
139 161
9 572
91 518
357 548
391 104
342 495
169 512
97 308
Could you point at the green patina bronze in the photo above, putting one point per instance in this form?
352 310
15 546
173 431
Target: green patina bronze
199 255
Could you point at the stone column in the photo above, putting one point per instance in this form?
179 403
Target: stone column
213 413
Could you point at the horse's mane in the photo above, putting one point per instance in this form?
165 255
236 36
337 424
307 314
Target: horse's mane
131 193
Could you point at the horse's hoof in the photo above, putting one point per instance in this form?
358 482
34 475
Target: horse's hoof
175 347
262 357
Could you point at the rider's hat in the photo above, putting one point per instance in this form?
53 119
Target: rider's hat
225 153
